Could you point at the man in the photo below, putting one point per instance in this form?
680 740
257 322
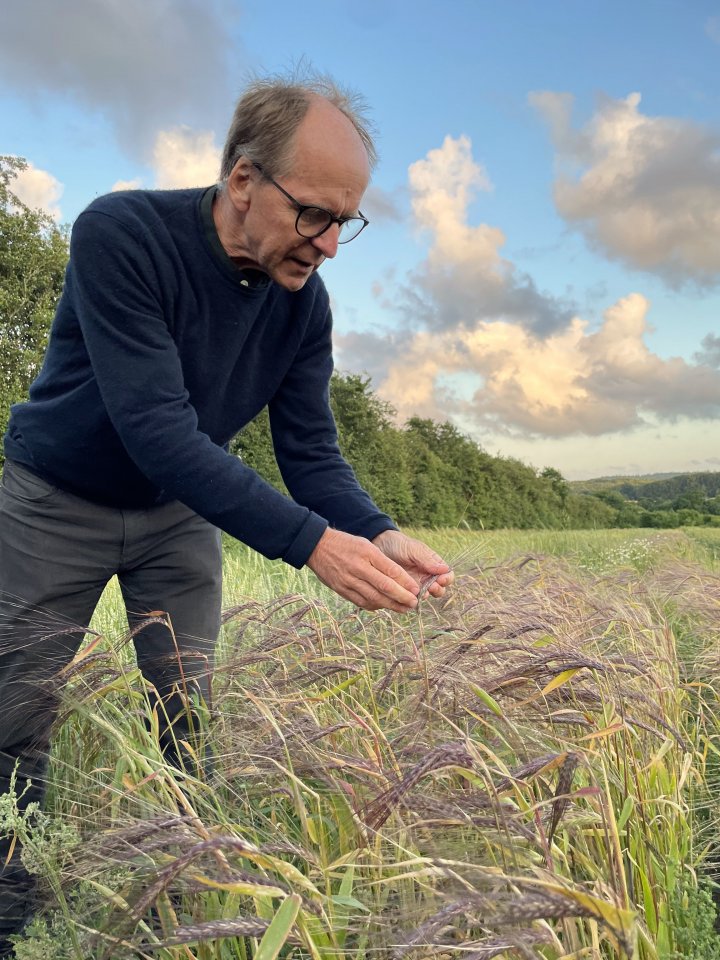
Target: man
184 313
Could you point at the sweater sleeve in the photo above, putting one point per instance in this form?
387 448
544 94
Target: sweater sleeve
139 376
306 444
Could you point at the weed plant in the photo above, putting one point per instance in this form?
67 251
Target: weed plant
515 771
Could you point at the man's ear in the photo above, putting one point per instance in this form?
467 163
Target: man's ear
239 184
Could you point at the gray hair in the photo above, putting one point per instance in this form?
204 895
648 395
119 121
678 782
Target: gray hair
269 112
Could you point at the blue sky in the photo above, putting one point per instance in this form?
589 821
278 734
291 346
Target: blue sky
543 261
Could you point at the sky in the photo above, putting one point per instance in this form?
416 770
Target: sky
542 266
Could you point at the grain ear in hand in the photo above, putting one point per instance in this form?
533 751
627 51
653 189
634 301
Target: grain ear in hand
457 560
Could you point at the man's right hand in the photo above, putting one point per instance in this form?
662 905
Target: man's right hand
360 572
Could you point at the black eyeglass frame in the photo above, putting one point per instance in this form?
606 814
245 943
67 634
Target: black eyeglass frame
302 207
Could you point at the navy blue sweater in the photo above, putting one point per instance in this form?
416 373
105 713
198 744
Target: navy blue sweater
159 355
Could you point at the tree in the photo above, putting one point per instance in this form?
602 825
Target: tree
33 256
692 499
557 483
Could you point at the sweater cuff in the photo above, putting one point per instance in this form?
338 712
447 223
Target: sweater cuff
307 538
378 526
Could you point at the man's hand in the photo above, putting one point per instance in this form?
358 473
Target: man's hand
366 574
429 570
388 573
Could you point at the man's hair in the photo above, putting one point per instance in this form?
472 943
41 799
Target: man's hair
269 112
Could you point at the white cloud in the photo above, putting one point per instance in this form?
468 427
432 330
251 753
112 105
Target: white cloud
184 158
39 189
464 274
443 185
126 185
522 371
643 190
181 157
572 382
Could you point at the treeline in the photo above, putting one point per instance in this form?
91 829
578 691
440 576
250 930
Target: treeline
427 473
681 500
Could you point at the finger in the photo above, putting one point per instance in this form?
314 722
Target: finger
436 590
371 589
389 588
445 579
369 599
393 571
428 561
435 585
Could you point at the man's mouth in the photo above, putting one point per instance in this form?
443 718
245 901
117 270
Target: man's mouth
305 264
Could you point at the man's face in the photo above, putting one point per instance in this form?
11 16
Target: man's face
329 169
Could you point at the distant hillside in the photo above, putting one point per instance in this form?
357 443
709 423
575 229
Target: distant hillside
653 487
596 484
659 500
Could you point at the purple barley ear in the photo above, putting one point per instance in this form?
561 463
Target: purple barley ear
425 586
467 553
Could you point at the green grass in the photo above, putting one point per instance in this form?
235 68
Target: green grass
526 769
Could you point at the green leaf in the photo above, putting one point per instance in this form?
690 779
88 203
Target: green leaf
627 809
353 902
277 933
487 700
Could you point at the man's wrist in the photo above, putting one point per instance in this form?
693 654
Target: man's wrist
384 536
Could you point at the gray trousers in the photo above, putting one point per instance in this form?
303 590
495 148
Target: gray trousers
57 553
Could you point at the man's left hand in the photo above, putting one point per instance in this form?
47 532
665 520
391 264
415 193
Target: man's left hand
422 563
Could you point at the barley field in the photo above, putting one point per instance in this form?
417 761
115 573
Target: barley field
528 768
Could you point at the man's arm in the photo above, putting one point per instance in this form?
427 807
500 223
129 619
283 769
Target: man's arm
362 555
305 437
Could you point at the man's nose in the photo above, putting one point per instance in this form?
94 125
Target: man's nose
327 243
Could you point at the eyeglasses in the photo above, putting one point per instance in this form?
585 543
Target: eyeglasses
312 222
